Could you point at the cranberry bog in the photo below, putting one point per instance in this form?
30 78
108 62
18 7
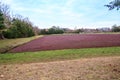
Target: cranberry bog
74 41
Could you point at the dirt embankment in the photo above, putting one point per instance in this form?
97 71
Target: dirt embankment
101 68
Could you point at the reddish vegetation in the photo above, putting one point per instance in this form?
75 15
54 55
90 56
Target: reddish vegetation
55 42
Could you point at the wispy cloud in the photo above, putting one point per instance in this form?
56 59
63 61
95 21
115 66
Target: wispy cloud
69 13
7 1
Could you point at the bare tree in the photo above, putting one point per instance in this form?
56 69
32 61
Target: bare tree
4 8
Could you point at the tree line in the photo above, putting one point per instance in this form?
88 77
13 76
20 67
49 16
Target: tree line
52 30
18 27
115 28
14 26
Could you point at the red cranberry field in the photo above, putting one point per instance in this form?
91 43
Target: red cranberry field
75 41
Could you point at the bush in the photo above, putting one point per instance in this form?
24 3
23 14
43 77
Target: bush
115 28
19 29
43 31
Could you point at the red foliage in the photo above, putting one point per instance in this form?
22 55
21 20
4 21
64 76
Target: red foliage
57 42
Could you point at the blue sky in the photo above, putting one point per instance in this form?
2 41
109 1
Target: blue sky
66 13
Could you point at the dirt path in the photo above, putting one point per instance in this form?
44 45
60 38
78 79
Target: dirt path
101 68
57 42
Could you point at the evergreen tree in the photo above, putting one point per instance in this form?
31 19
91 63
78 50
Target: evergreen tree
2 26
19 29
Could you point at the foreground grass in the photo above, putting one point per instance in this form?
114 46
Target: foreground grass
45 56
7 44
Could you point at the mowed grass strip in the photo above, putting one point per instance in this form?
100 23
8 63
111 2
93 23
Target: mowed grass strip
7 44
56 55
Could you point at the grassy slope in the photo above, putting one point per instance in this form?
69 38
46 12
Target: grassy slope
44 56
11 43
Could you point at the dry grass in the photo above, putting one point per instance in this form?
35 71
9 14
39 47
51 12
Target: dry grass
7 44
101 68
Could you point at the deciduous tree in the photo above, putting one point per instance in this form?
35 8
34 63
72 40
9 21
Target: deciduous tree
20 28
114 4
4 18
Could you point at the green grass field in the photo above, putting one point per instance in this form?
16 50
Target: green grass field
53 55
8 44
68 54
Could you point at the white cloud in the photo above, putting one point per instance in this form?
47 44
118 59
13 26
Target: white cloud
70 13
7 1
69 3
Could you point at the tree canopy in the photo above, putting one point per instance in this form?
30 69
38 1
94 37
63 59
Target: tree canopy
14 26
114 4
2 26
115 28
52 30
20 28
